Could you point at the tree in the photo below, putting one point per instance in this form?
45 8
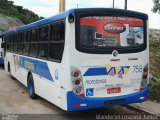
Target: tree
26 16
156 7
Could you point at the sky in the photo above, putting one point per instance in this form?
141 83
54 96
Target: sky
47 8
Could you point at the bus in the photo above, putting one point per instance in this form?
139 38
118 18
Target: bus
1 51
82 58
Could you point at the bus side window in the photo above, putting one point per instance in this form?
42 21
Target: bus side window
33 43
8 43
26 42
19 43
15 44
43 42
57 35
11 44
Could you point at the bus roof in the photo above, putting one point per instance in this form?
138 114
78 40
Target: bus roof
73 12
42 22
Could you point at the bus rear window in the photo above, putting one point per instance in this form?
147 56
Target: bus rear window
111 32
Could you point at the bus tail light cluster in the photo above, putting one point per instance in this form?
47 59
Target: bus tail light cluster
77 83
144 78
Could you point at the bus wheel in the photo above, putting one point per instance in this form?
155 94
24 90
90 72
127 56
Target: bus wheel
9 70
31 89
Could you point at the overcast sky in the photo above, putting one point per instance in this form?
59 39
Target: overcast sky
48 8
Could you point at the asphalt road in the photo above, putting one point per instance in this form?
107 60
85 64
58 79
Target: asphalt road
14 99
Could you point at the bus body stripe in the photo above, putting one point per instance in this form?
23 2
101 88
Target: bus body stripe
107 71
96 71
38 67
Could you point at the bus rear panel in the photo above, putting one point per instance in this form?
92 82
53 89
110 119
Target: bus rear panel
113 64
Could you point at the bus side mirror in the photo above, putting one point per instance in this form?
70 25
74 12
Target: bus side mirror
71 18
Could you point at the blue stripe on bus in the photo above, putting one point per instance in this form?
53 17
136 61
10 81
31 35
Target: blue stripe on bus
96 72
1 61
104 71
38 67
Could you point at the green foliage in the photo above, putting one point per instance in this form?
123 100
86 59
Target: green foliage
24 15
156 7
154 90
154 86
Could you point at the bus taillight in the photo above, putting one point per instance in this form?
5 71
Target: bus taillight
144 78
76 74
77 82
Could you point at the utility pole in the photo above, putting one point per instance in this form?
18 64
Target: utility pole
125 4
62 4
77 4
113 3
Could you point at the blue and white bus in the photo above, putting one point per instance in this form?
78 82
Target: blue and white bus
1 51
82 58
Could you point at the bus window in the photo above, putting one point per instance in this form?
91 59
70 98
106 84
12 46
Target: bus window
33 43
57 35
26 42
43 42
112 32
34 35
43 50
33 49
19 43
56 51
43 33
26 48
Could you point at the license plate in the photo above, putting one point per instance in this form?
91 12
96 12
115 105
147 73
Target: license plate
113 90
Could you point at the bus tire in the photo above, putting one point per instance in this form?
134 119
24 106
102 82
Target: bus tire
31 89
9 70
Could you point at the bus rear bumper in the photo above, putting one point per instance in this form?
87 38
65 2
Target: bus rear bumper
76 103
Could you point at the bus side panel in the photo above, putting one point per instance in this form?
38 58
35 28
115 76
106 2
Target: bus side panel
45 76
49 88
46 80
65 65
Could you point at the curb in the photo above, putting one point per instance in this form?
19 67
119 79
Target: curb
137 108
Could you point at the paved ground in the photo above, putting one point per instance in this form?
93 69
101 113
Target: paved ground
14 99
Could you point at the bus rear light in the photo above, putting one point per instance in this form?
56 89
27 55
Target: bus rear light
144 76
78 90
141 89
80 105
145 69
76 74
144 81
77 105
82 95
77 82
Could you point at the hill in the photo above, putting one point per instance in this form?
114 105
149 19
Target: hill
9 9
7 23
